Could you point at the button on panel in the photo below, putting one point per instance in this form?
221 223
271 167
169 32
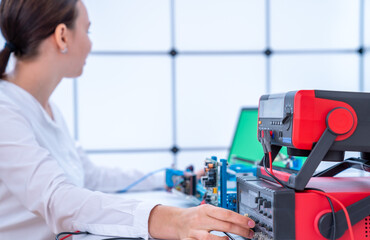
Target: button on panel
261 201
256 199
267 204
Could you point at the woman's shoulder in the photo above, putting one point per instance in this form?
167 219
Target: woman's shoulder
6 101
10 110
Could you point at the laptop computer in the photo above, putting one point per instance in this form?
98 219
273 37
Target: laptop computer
246 149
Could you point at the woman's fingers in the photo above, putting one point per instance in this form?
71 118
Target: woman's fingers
208 236
199 221
229 216
251 234
214 237
222 226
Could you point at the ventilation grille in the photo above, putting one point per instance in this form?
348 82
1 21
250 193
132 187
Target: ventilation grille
367 227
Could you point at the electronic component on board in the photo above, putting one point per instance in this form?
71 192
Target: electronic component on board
211 181
183 181
216 187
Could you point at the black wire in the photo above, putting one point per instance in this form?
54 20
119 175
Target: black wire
204 196
332 234
79 233
71 233
229 236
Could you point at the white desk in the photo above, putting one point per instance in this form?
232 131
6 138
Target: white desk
164 198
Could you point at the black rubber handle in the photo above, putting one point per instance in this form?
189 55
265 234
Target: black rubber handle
357 212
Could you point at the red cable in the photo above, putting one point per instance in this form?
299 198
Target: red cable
270 160
271 170
68 236
344 210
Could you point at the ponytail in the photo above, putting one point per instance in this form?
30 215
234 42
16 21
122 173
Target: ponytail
4 58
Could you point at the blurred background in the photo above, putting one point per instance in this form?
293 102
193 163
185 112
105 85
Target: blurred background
166 79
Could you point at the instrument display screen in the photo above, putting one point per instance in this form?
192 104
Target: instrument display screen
271 108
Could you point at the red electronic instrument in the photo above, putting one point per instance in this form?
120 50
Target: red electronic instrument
321 125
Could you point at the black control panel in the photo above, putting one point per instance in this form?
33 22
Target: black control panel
270 206
275 115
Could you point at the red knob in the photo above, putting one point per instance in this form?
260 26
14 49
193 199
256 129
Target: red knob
340 120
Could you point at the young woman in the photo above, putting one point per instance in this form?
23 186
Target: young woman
46 183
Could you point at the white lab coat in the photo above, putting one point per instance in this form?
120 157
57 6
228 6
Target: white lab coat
48 185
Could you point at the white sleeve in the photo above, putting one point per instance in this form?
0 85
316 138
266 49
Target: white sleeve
113 179
35 178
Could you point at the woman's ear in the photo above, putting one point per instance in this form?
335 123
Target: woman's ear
61 37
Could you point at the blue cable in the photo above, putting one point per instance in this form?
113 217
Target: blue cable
140 180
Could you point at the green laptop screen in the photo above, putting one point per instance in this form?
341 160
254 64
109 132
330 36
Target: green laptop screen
245 145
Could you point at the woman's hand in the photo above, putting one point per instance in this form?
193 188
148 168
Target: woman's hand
197 223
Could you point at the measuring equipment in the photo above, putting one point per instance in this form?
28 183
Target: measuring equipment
285 214
321 125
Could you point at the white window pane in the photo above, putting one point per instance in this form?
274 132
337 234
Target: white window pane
196 158
146 162
130 25
125 102
367 72
210 92
220 24
367 23
63 98
314 24
317 71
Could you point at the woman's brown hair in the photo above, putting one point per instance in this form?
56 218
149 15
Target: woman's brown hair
26 23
